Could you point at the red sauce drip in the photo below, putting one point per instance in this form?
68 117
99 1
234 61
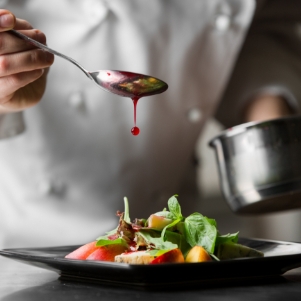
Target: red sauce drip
135 130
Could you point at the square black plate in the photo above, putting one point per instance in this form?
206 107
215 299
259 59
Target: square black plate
279 257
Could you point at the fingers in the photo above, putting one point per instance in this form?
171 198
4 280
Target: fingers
12 83
22 24
7 20
11 44
20 69
16 55
24 61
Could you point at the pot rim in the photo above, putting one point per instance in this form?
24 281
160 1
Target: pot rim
244 127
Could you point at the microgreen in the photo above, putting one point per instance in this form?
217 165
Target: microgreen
183 233
126 210
104 240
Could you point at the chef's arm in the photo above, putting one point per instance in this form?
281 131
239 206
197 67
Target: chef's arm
266 79
266 106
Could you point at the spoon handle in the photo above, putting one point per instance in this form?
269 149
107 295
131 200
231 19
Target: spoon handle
42 46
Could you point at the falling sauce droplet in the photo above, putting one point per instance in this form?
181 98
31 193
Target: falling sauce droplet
135 130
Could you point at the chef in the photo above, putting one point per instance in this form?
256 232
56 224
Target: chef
67 155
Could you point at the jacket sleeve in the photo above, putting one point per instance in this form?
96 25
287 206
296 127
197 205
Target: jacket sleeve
11 125
269 61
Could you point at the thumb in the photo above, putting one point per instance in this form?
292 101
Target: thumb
7 20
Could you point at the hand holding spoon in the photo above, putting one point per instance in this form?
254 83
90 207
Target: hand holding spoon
123 83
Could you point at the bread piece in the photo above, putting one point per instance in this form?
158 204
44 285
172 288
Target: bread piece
139 257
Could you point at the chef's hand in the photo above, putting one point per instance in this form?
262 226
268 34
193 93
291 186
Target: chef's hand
23 67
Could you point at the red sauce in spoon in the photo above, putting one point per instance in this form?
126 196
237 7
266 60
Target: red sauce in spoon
135 86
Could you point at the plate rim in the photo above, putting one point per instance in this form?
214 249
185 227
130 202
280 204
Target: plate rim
275 265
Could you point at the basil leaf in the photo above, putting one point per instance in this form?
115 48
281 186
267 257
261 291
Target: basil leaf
212 222
153 240
169 226
181 228
105 242
165 214
201 231
174 207
226 238
179 240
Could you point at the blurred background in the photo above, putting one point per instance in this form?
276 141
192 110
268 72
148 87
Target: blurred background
278 226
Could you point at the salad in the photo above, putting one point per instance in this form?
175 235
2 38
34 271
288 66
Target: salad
165 237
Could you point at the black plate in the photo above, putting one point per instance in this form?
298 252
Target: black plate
279 257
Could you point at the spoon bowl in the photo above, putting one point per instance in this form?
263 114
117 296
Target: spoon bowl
128 84
123 83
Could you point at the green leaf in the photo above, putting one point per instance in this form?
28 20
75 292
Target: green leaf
165 214
105 242
212 221
201 231
181 228
154 241
221 239
179 240
169 226
126 210
174 207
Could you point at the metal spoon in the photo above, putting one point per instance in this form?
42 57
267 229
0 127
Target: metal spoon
123 83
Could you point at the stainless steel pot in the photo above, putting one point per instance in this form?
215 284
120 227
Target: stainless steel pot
260 165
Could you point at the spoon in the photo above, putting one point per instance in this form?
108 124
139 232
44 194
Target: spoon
123 83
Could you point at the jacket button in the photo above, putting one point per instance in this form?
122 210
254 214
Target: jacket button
222 22
194 115
95 10
77 101
52 188
223 16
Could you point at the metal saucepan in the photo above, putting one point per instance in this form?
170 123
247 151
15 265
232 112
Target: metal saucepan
260 165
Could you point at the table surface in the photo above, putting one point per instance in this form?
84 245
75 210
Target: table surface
20 281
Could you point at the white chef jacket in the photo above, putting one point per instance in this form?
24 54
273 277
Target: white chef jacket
64 176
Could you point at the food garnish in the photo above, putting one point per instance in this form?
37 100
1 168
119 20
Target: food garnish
165 237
